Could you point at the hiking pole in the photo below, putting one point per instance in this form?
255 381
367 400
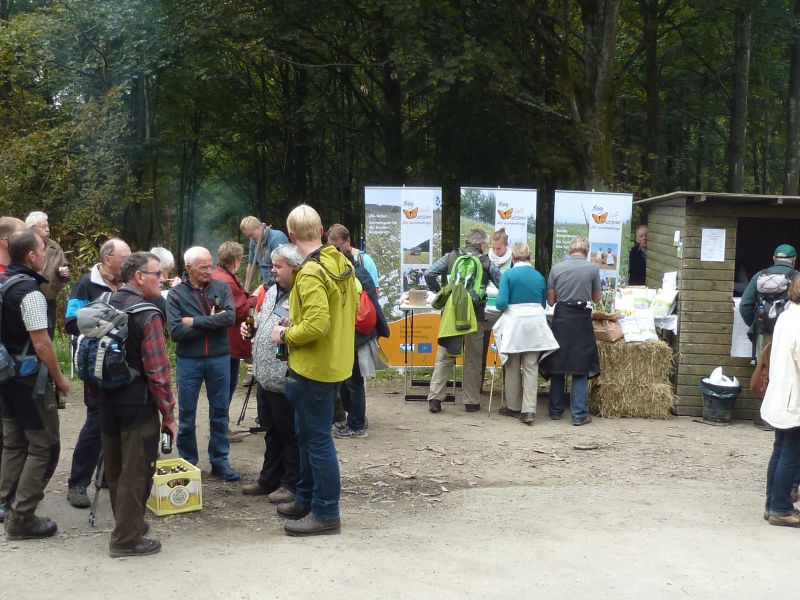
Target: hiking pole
98 482
494 372
246 400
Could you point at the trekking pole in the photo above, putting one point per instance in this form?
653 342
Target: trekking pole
246 400
98 482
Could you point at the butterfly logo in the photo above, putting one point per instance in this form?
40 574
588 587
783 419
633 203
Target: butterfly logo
600 219
411 213
505 214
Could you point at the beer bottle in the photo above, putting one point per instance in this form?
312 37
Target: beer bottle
217 306
251 322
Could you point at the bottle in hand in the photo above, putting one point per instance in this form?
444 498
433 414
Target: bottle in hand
250 321
217 306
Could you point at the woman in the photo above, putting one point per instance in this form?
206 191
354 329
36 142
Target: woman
522 333
229 259
781 409
281 466
352 392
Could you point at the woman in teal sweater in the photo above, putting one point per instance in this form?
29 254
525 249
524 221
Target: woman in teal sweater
521 284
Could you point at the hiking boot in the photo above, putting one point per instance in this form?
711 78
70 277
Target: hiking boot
20 526
290 510
281 496
340 425
472 407
584 421
311 525
507 412
348 432
234 437
143 547
254 489
78 497
527 418
792 520
435 405
225 472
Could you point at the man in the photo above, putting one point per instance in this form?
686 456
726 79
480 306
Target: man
130 415
30 419
199 312
339 236
574 283
263 240
55 268
637 259
8 225
320 336
783 264
476 244
103 278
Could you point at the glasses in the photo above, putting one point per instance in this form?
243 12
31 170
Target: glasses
156 273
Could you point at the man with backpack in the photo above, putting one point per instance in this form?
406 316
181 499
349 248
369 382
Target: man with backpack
130 414
339 236
103 278
473 266
263 240
31 427
765 296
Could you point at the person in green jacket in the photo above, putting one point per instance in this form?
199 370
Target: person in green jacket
320 335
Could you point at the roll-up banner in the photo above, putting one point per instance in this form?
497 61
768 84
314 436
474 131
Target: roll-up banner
605 218
492 209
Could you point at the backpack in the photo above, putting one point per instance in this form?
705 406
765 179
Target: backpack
772 290
8 364
100 359
467 270
367 316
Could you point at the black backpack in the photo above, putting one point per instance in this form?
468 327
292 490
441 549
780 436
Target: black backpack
772 295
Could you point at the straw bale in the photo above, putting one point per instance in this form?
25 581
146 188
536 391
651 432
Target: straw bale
633 381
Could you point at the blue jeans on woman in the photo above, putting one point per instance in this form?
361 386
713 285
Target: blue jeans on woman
578 398
191 373
319 486
782 471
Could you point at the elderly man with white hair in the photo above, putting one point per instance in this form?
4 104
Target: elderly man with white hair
55 268
199 312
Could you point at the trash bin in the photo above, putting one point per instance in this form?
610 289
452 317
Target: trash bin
718 401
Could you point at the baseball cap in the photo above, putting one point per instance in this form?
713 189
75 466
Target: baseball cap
785 251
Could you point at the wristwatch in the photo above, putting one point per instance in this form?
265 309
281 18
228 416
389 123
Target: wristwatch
283 335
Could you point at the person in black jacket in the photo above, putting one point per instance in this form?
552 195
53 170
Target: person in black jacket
103 278
637 259
199 312
31 433
352 392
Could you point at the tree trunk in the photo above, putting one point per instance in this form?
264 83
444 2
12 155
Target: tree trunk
742 45
792 176
5 9
649 11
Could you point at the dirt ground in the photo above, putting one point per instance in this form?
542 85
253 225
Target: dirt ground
452 505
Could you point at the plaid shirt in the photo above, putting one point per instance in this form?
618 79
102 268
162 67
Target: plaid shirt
157 369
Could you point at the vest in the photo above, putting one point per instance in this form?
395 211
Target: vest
14 333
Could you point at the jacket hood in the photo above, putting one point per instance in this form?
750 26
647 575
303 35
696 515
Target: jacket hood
334 263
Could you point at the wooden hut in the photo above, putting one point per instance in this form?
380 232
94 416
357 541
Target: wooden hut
754 225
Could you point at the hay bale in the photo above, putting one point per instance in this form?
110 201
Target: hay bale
633 381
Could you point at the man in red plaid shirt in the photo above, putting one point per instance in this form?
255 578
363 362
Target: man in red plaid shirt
130 415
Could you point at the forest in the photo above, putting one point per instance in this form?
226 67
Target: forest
166 121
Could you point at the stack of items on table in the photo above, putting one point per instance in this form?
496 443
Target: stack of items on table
644 309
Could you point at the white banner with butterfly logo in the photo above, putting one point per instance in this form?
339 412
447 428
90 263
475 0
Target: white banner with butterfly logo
492 209
605 218
404 236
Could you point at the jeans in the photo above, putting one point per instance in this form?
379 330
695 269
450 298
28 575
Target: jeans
87 449
192 372
354 399
579 397
782 471
319 485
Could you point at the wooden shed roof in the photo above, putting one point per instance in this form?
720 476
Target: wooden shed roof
766 199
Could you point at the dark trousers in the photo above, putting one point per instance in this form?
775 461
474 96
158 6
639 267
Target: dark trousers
87 448
782 471
31 443
281 467
130 449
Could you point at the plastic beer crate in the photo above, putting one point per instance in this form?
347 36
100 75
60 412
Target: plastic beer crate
174 493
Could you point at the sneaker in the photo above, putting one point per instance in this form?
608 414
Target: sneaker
584 421
281 496
78 497
339 425
226 473
527 418
348 432
21 526
311 525
792 520
435 405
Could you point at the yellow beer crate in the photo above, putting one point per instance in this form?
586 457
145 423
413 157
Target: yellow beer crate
177 488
